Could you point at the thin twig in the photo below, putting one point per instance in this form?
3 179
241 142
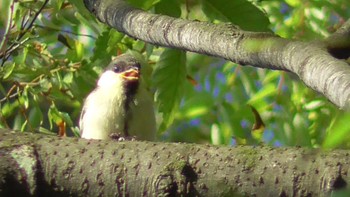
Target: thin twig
65 31
6 33
9 97
11 49
7 53
33 83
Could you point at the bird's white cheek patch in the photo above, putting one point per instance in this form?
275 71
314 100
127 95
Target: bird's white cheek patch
108 79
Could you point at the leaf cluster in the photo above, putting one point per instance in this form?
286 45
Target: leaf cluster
53 51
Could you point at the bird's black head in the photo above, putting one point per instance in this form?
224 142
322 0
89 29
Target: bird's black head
124 63
129 69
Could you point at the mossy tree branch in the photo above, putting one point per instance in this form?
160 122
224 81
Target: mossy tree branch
35 164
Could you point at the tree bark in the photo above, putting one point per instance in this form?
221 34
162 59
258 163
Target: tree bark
43 165
316 63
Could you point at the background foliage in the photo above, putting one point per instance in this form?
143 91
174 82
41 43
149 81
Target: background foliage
52 53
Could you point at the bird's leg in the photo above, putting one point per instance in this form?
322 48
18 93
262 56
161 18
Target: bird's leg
119 137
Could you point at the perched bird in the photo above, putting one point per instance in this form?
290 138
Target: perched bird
120 104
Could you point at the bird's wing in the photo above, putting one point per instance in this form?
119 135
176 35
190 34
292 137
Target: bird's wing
81 125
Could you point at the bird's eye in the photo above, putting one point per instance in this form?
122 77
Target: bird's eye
116 69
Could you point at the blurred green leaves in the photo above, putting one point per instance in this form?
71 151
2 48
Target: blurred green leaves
338 132
55 63
239 12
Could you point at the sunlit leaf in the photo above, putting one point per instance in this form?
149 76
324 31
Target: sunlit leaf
339 131
144 4
196 106
79 49
35 117
169 77
54 116
215 135
61 38
239 12
83 15
76 131
100 46
7 71
266 91
68 78
18 121
168 7
65 15
25 98
271 77
232 122
23 127
46 131
57 4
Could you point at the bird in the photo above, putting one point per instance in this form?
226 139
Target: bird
120 104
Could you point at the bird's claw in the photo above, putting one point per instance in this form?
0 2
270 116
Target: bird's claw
120 138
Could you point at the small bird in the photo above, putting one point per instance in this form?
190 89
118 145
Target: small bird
120 104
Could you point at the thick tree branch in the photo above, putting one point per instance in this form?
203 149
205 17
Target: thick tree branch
338 44
48 165
312 62
344 29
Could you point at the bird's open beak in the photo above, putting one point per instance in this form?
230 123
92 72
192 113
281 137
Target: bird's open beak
131 74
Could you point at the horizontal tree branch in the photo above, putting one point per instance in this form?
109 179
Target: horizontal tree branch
338 44
344 29
311 61
36 164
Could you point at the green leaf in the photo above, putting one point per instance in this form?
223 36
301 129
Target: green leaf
266 91
2 91
46 131
271 77
144 4
24 125
239 12
169 7
66 118
8 108
230 122
68 78
25 97
7 71
113 44
45 85
100 46
196 106
62 39
83 15
338 132
53 115
35 116
18 122
169 77
65 15
57 4
76 52
76 131
79 49
56 116
216 136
